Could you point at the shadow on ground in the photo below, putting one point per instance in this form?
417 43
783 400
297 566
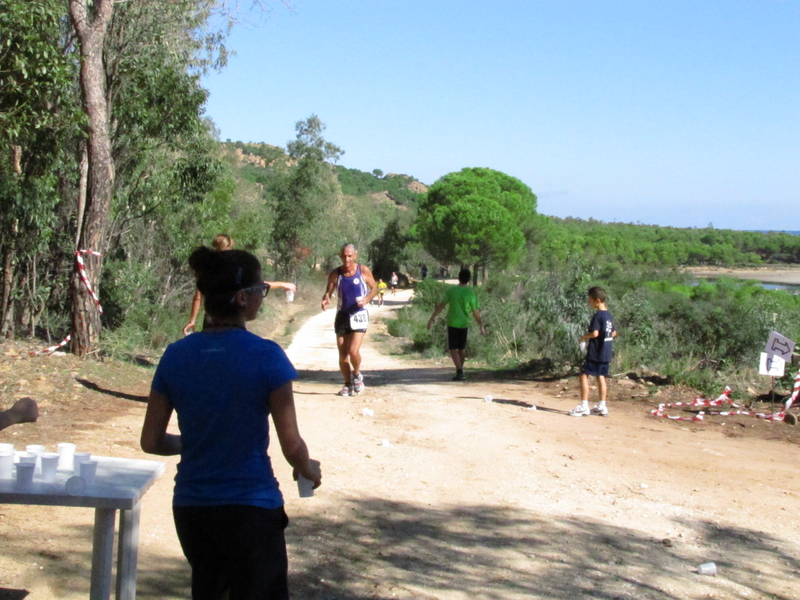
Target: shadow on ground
382 549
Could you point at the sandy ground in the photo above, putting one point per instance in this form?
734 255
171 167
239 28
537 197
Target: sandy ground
430 492
789 275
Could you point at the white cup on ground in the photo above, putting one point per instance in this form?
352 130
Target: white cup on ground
66 451
49 466
6 464
77 459
88 469
707 569
25 472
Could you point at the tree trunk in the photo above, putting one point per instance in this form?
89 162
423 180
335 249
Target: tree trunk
91 20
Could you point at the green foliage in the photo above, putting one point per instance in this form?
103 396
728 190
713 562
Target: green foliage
357 183
476 216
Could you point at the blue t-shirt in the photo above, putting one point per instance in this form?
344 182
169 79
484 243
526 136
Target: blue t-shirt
219 383
599 349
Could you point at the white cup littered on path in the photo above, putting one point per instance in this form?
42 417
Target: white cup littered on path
88 471
25 472
707 569
6 464
488 399
65 453
289 296
49 466
78 458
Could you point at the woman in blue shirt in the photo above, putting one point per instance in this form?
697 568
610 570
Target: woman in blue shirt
223 383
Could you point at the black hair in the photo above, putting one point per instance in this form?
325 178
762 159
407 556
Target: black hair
464 276
220 275
598 293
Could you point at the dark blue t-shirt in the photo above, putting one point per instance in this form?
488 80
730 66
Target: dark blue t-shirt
219 383
599 349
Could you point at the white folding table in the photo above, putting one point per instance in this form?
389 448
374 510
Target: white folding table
119 484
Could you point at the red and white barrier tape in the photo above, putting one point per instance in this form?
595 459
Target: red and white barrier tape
721 400
82 274
795 391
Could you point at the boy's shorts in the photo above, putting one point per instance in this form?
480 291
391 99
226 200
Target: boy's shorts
595 368
456 338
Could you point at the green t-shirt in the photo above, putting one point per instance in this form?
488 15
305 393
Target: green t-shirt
461 301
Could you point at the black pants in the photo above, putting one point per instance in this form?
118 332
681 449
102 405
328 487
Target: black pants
234 547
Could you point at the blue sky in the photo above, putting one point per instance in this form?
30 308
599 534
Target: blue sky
679 113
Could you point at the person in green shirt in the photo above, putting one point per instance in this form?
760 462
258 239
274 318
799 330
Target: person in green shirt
461 301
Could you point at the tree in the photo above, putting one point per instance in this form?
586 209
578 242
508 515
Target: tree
301 195
476 216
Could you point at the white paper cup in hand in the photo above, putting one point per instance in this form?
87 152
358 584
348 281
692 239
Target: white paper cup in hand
25 473
6 464
289 296
582 346
88 471
49 466
305 487
78 458
66 451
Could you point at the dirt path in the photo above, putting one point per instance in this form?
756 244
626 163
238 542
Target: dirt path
439 494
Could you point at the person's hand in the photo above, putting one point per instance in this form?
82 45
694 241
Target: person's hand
25 410
361 302
291 287
313 473
189 327
325 302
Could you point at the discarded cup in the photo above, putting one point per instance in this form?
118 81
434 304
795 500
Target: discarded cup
6 465
289 296
88 469
49 466
75 486
77 459
66 452
532 407
368 412
707 569
488 399
25 473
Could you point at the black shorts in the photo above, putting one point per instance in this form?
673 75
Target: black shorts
341 325
595 368
236 547
456 338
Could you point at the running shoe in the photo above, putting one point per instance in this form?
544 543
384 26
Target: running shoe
460 376
603 412
345 391
580 411
358 383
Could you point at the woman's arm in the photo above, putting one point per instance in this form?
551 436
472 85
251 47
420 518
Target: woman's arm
196 301
284 417
155 439
285 285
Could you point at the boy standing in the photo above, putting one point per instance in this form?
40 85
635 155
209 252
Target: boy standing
462 301
598 355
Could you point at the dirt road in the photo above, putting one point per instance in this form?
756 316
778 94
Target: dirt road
435 493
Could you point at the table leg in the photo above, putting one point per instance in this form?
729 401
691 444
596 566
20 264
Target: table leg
128 553
102 553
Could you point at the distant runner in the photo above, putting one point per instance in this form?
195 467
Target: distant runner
355 288
393 281
381 291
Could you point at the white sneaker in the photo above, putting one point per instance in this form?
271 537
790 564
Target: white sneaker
345 391
603 412
580 411
358 384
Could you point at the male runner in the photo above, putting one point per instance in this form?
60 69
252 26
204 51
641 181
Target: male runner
355 288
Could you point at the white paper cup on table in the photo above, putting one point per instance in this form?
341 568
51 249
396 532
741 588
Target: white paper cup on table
6 447
289 296
27 458
77 459
6 465
25 472
49 462
38 450
75 486
66 452
88 469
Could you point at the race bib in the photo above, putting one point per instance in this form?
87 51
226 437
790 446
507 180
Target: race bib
359 320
